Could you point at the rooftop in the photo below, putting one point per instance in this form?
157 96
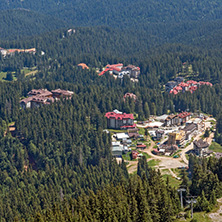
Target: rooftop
118 116
62 92
189 127
83 65
200 143
42 92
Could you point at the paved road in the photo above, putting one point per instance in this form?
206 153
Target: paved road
190 147
170 162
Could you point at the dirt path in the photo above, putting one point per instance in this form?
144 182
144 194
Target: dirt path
170 162
217 216
10 128
172 173
32 72
132 167
165 162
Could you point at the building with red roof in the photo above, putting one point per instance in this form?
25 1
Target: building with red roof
83 66
117 69
130 95
39 97
135 153
141 146
190 85
117 120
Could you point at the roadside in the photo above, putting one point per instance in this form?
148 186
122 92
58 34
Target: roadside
217 216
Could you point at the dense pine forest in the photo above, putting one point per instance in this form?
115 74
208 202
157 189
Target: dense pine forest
57 163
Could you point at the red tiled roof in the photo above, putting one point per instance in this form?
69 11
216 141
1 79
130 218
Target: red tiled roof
191 82
183 84
178 88
141 146
107 69
119 116
42 92
131 95
131 126
183 114
83 65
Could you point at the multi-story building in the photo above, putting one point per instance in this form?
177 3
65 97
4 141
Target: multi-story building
39 97
200 147
117 120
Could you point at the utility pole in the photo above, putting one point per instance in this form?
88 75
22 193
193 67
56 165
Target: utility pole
191 201
181 190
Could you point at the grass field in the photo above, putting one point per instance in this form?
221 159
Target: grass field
3 76
215 147
200 217
153 163
172 181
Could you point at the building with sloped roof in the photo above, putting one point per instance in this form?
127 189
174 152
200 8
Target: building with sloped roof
120 121
200 147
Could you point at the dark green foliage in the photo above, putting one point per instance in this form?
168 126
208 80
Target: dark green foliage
171 21
9 76
20 23
136 201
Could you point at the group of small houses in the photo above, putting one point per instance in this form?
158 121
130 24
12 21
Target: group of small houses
123 143
185 130
179 85
40 97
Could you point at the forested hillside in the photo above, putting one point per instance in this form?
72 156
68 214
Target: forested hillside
56 162
18 23
190 22
126 12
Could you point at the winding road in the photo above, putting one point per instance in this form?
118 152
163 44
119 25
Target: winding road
170 162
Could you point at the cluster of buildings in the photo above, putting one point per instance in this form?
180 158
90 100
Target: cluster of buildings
178 85
39 97
180 129
177 120
118 69
123 143
123 140
6 52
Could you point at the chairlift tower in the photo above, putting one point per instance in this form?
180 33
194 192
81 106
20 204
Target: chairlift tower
191 201
181 190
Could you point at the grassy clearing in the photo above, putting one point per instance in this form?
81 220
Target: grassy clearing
153 163
142 131
26 70
177 171
2 75
212 121
200 217
215 147
172 181
127 156
117 131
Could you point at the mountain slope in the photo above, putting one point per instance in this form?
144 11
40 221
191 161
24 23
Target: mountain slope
122 12
19 23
